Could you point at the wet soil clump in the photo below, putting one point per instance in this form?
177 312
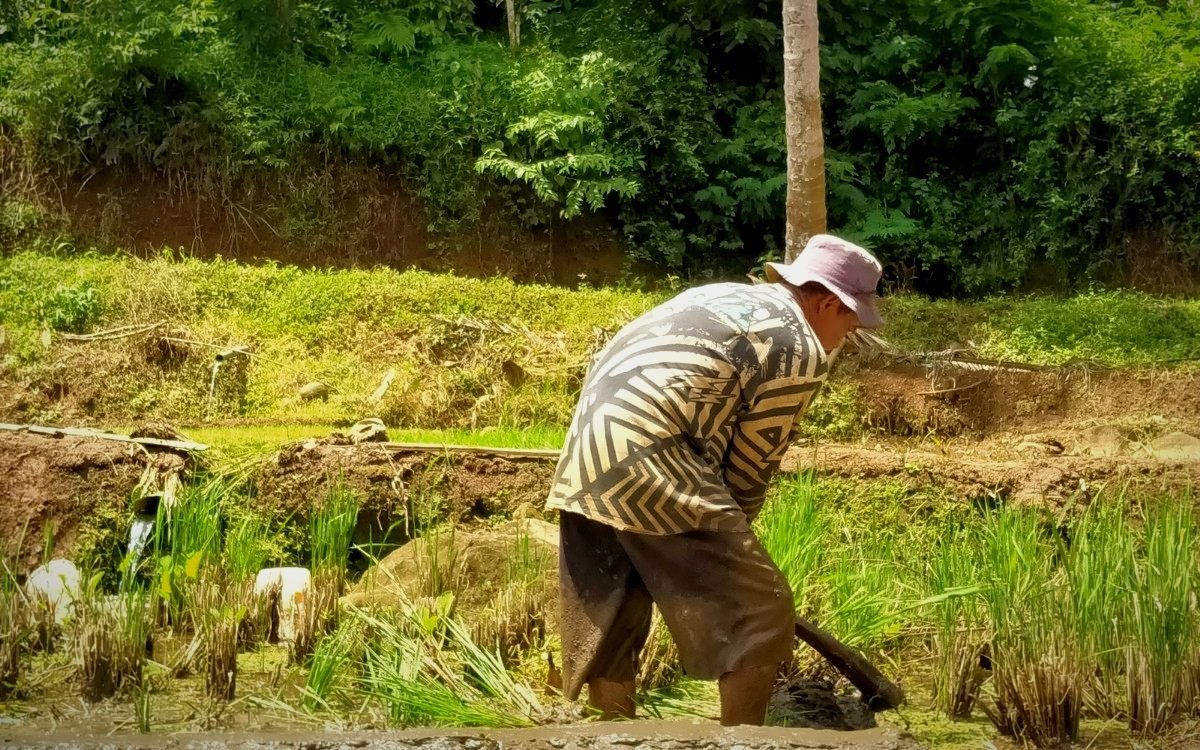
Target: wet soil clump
76 483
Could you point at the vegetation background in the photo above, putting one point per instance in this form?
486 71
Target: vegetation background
976 147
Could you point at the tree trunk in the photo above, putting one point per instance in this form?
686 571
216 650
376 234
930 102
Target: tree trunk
805 141
514 23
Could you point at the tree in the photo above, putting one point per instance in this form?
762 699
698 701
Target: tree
805 141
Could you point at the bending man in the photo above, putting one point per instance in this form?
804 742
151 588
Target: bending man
681 425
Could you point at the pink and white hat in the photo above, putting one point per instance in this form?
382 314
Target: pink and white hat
843 268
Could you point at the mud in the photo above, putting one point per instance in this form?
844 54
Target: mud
401 488
907 400
74 482
652 735
399 484
969 474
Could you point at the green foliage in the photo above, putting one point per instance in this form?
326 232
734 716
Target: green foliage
974 146
72 308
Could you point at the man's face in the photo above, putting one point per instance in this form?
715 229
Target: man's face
831 320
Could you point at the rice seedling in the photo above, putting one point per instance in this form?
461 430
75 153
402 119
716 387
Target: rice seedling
439 566
792 530
1036 666
333 662
110 636
959 644
1163 619
221 611
331 528
246 554
16 627
422 681
142 708
1100 566
658 664
515 619
189 538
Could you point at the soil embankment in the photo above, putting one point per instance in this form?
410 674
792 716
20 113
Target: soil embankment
79 484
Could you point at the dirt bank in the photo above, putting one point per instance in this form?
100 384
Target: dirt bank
399 485
969 475
653 735
398 482
908 400
81 484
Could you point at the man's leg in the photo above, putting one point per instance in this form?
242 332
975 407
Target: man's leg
744 695
728 608
604 616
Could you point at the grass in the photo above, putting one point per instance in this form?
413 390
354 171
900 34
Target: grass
466 353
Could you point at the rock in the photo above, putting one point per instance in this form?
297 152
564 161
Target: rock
1176 446
370 430
55 586
478 556
1045 445
384 384
283 591
1103 441
314 390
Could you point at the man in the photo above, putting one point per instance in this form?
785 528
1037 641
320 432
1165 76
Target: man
681 424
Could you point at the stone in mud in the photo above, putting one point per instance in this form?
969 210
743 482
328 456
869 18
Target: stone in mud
370 430
477 558
314 390
282 591
1176 446
1102 441
55 587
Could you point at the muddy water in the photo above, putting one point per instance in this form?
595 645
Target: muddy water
651 735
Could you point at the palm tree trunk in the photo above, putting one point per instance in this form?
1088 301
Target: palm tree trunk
805 140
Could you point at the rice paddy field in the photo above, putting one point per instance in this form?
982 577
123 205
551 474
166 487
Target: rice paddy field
1004 624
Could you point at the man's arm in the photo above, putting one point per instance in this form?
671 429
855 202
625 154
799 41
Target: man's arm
761 436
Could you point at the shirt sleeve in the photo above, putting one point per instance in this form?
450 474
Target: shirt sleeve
772 402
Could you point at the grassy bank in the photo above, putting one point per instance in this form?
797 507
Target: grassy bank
457 352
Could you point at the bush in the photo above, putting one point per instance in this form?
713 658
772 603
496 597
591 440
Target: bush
975 146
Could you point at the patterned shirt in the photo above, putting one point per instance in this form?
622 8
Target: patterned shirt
685 415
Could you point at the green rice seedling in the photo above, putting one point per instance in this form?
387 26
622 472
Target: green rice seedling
245 554
221 610
192 539
332 664
421 682
515 619
109 635
1100 566
142 708
16 628
331 528
793 531
439 570
1036 666
865 601
1163 618
959 644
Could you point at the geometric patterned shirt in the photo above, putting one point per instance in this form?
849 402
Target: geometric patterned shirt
685 415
